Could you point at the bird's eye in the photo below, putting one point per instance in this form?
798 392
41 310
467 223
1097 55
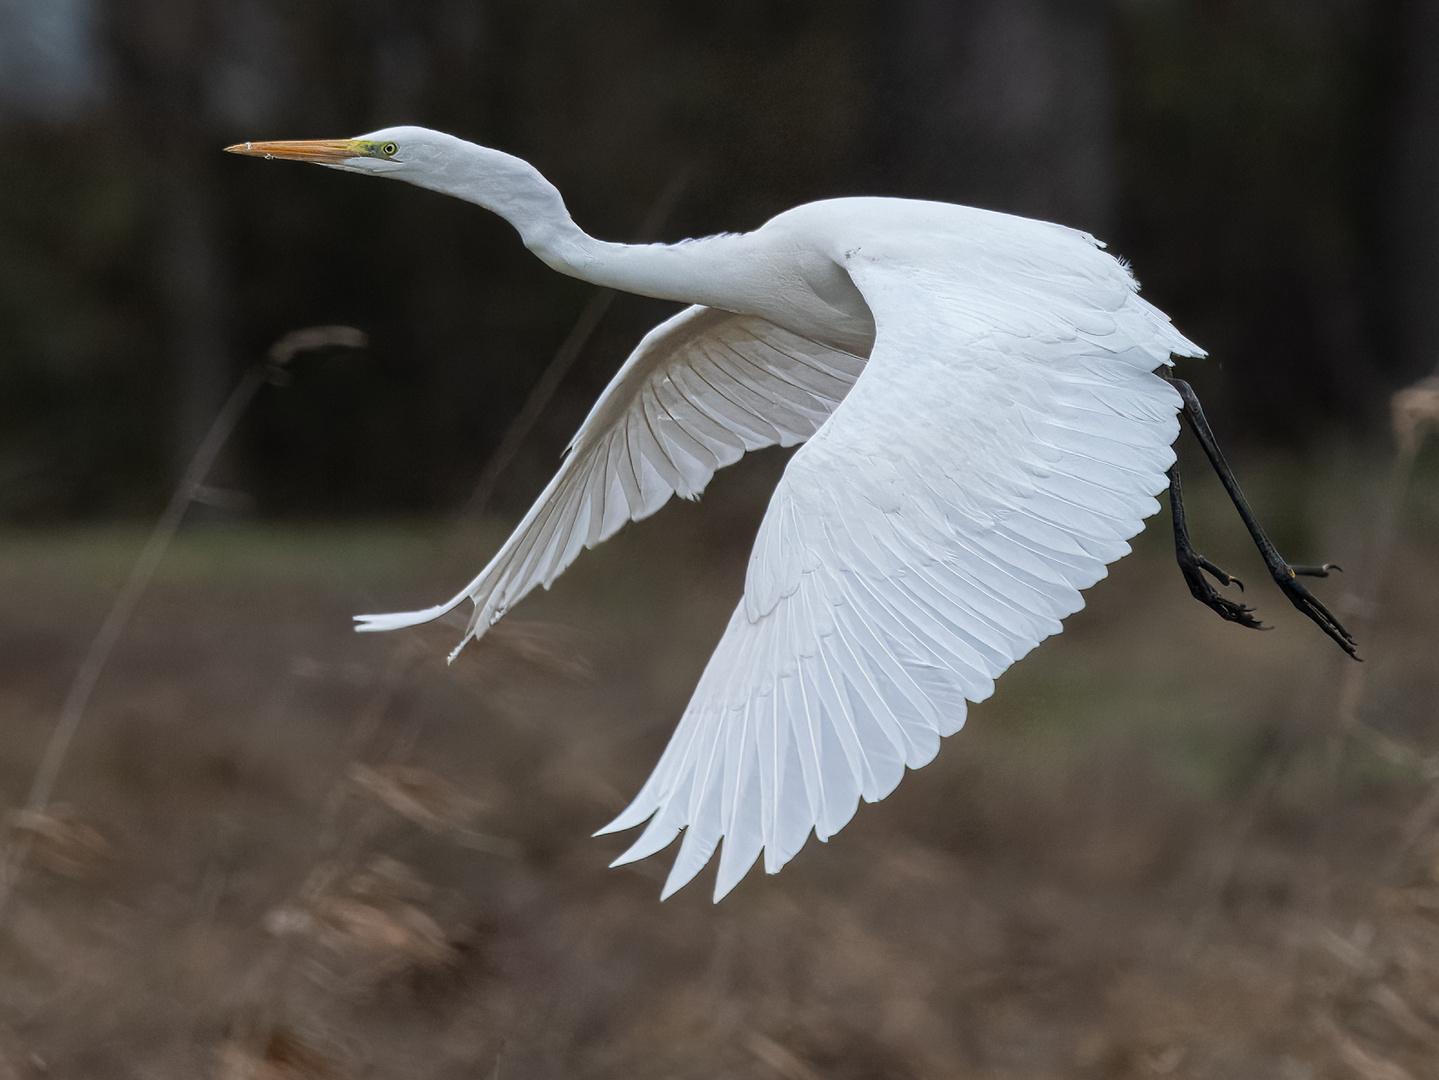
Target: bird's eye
389 149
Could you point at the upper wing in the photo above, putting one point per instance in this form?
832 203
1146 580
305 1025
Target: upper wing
1004 441
700 389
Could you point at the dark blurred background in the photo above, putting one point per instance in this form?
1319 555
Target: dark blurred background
1271 168
1167 847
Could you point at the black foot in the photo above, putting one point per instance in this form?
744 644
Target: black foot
1193 566
1286 577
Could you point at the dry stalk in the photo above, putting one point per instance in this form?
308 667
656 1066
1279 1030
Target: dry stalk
370 920
278 1054
565 356
61 841
431 802
360 912
1365 1065
418 794
192 484
780 1059
407 654
1414 414
322 910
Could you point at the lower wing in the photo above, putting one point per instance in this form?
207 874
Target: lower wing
937 528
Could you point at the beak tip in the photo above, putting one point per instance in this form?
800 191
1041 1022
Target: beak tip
319 151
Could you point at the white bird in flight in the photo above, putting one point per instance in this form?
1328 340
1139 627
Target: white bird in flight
984 424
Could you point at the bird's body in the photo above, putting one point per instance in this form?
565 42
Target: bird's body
984 429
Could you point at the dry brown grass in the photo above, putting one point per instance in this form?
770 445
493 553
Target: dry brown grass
288 851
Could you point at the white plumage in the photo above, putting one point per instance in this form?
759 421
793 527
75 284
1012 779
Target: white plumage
983 433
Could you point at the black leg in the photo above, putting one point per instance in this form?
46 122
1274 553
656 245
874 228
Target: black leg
1284 575
1194 565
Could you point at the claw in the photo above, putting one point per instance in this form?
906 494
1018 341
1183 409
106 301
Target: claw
1219 575
1191 563
1286 577
1316 571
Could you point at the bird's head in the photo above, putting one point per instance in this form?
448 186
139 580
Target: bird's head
389 152
493 179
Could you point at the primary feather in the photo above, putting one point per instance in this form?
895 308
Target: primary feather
984 431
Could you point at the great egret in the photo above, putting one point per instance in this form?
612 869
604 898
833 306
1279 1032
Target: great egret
984 428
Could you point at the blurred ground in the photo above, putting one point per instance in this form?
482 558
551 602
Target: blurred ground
290 851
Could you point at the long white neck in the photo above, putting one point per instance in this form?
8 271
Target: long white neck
694 272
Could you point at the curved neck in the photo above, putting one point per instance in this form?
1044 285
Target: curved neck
508 186
515 190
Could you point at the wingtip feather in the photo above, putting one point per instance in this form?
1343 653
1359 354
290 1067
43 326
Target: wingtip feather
396 620
632 817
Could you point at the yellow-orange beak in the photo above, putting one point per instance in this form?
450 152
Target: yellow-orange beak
320 151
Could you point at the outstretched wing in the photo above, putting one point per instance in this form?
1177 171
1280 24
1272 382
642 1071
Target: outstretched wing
700 389
1004 441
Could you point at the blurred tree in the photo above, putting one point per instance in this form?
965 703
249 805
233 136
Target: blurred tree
1269 166
50 67
1005 104
163 54
1247 165
1407 300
